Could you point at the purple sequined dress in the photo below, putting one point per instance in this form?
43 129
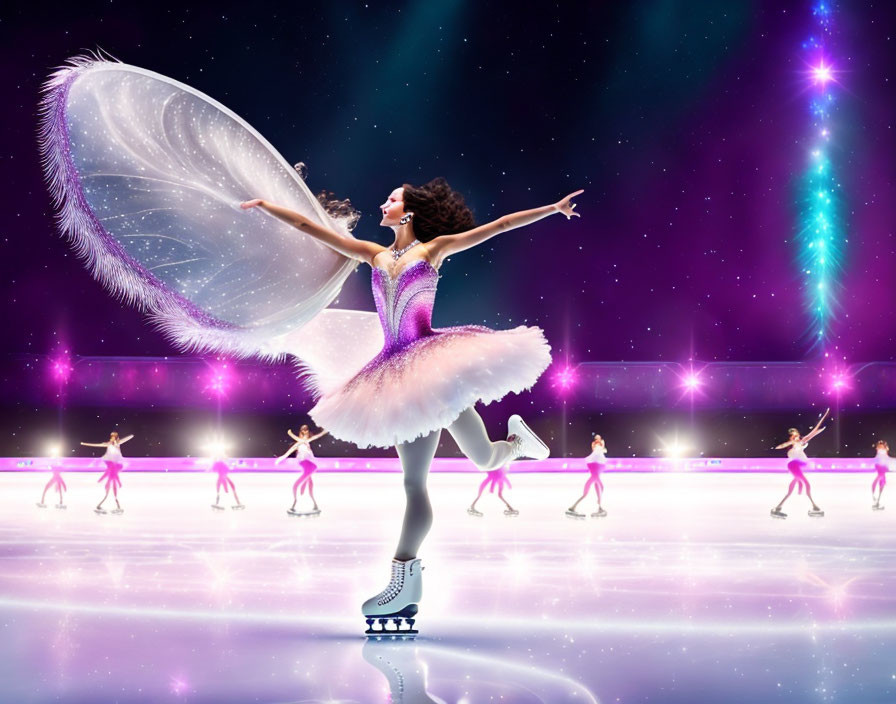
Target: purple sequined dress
423 378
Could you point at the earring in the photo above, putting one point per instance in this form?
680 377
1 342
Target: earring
406 218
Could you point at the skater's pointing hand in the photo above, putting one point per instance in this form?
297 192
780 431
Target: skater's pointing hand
566 207
245 205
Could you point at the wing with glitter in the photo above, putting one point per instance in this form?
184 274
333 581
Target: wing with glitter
147 175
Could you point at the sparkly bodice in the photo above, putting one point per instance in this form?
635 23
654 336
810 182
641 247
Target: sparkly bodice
405 303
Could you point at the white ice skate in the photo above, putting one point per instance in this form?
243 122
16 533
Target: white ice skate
473 512
525 442
100 511
217 507
778 513
511 512
876 506
61 506
816 513
572 513
238 507
396 603
303 514
600 513
117 511
41 505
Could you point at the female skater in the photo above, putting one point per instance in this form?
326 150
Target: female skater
55 481
114 464
596 462
304 458
426 379
495 478
798 461
882 461
220 466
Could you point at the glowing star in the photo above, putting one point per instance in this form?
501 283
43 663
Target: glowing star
822 73
219 379
61 367
564 379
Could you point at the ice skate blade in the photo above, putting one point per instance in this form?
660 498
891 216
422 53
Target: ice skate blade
41 505
475 513
100 511
575 515
63 506
304 514
238 507
217 508
599 514
778 514
877 508
117 511
396 626
816 514
511 513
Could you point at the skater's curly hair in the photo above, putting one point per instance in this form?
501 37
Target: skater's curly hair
438 209
793 431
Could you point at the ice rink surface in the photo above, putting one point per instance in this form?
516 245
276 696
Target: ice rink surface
687 591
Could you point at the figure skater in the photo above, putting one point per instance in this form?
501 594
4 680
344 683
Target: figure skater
55 481
799 461
304 458
424 378
494 478
882 461
220 466
114 464
596 463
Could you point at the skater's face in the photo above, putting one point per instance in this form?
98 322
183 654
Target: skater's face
794 436
304 432
393 208
113 437
597 440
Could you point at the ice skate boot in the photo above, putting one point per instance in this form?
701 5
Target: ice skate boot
117 511
61 506
238 507
511 512
778 513
816 513
876 506
572 513
390 614
217 507
100 511
525 442
313 513
41 505
473 512
600 513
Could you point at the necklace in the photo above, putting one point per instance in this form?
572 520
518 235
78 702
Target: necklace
396 253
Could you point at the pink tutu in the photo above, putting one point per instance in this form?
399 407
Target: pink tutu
424 378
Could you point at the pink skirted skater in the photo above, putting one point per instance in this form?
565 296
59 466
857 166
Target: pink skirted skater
220 466
114 464
305 459
57 482
495 478
882 462
798 462
596 463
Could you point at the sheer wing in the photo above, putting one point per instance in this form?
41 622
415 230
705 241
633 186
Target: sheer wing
147 175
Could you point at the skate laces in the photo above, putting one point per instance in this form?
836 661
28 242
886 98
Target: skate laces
396 584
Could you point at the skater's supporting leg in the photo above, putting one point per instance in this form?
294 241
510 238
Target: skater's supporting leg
479 495
787 495
295 493
809 494
50 483
584 493
311 493
233 489
472 438
506 502
416 458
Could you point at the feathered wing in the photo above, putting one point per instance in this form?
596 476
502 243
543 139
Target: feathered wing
147 175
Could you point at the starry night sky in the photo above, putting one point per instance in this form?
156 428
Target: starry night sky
686 122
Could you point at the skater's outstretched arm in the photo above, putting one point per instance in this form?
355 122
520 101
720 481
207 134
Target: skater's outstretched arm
293 435
350 247
123 440
295 446
95 444
815 431
446 245
319 435
783 445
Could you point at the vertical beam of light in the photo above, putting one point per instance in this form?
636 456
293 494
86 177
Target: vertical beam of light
821 235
